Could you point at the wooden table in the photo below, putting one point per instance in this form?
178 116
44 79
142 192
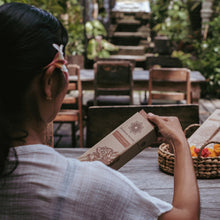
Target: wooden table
141 78
144 172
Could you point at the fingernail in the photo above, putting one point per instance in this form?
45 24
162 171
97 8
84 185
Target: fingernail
150 114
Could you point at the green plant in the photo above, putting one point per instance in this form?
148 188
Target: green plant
70 12
206 59
216 8
50 5
209 58
159 11
186 58
97 47
176 25
75 28
195 53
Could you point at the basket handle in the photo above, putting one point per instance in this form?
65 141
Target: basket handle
204 145
189 127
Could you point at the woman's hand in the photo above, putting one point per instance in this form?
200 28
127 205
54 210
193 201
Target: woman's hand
169 129
186 201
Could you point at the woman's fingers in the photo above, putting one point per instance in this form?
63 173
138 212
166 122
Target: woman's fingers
169 127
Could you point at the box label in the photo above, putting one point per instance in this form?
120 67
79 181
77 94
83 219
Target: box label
121 139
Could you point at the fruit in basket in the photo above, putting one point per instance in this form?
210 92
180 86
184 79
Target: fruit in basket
206 152
212 153
193 153
217 149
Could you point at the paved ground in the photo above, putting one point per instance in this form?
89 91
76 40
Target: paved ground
62 131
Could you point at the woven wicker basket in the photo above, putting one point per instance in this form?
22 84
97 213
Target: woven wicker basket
205 167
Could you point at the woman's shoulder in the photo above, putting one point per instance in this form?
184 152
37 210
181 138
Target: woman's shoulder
38 158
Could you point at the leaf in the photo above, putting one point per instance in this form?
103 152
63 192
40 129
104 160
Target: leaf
99 27
89 29
103 54
92 49
109 46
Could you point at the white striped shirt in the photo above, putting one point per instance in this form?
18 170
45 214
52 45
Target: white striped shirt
47 185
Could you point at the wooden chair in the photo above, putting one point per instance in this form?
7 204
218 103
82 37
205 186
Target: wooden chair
161 81
132 61
71 110
102 120
113 83
163 61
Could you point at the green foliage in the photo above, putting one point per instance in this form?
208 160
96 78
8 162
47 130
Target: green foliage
209 58
159 9
73 13
206 59
97 45
50 5
95 28
195 53
75 28
76 39
216 8
186 58
176 25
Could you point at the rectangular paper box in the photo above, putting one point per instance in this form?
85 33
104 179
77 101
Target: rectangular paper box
208 131
123 143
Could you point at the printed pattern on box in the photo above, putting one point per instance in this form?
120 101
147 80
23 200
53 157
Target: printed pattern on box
124 142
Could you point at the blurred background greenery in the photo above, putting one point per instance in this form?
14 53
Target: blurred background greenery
180 21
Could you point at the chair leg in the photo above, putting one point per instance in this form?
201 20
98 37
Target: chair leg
81 136
73 134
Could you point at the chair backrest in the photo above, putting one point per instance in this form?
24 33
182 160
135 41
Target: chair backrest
71 109
74 90
161 81
132 61
113 78
102 120
163 61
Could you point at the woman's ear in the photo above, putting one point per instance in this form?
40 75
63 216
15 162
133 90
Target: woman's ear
48 85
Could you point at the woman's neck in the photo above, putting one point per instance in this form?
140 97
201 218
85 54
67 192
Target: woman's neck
30 135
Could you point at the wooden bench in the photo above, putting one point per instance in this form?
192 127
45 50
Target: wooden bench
104 119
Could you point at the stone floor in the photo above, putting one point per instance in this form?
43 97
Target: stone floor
62 131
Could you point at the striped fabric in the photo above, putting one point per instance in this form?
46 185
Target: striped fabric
47 185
